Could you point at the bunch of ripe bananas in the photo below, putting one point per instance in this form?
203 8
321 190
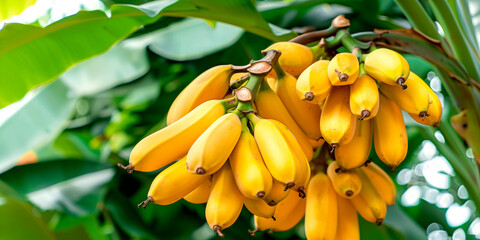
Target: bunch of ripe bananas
247 135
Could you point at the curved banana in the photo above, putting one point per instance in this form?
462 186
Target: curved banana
276 151
414 99
304 166
260 208
164 189
306 115
355 153
211 84
212 148
277 194
434 109
225 202
382 182
288 213
389 133
295 57
321 209
271 80
173 142
347 223
387 66
269 106
346 183
369 203
364 98
252 177
337 122
201 193
343 69
313 84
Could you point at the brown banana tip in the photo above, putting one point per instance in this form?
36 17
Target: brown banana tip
145 203
365 114
393 168
128 168
349 193
309 96
436 125
252 232
367 162
379 221
270 231
200 170
339 170
401 80
274 219
272 203
218 230
334 145
261 194
301 192
288 186
342 76
423 115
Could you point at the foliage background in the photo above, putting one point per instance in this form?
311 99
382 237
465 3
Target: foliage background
101 79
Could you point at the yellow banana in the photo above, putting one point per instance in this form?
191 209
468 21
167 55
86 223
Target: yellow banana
387 66
364 98
225 201
304 166
260 208
173 142
238 77
211 84
316 144
313 84
271 80
459 122
355 153
343 69
337 122
212 148
306 115
277 194
201 193
287 214
295 57
270 106
277 153
347 223
369 203
346 183
321 209
434 109
252 177
414 99
382 182
164 189
389 133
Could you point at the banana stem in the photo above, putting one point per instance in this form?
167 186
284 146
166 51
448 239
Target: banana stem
351 43
338 23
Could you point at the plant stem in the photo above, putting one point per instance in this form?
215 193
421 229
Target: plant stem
457 39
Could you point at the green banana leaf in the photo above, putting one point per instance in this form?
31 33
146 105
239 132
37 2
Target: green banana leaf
10 8
32 55
72 186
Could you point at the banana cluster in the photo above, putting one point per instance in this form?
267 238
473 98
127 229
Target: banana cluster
252 136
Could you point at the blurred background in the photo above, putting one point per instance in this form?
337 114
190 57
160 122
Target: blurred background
59 144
